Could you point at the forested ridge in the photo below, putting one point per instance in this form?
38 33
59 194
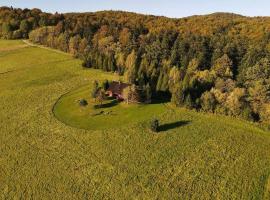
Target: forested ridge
216 63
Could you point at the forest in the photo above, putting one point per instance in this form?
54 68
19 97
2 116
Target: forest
218 63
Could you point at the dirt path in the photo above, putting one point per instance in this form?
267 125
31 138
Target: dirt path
44 47
13 48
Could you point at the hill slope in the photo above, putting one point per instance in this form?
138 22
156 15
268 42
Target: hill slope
207 157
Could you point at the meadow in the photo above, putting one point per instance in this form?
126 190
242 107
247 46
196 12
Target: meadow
194 156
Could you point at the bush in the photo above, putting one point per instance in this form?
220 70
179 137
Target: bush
83 102
86 64
221 110
94 89
154 125
247 114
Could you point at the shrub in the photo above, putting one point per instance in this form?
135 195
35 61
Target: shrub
221 110
247 114
94 89
154 125
83 102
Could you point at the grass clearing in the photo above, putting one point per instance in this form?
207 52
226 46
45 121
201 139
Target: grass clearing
196 156
111 115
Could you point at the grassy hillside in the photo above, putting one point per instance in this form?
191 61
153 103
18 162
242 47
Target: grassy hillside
195 156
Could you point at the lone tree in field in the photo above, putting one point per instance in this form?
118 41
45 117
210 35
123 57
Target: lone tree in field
154 125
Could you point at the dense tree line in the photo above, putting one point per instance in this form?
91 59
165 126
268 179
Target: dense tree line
217 63
17 23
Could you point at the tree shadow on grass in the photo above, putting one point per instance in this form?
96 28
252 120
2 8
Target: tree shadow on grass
169 126
161 97
107 105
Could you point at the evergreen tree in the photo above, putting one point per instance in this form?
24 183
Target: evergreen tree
131 67
25 27
95 89
6 30
148 93
258 84
105 85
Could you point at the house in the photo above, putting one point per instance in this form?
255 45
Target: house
116 89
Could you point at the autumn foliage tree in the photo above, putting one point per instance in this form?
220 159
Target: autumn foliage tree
215 63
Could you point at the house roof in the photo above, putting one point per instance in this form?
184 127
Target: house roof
117 87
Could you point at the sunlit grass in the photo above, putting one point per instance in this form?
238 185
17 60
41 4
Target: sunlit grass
195 156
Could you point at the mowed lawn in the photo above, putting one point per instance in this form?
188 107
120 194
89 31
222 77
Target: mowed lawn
110 115
195 156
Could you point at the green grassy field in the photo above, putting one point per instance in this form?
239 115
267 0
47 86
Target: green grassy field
110 115
195 156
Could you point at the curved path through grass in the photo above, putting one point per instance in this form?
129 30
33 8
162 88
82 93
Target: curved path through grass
111 115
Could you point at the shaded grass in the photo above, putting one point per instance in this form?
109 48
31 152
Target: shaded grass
6 45
212 157
267 189
173 125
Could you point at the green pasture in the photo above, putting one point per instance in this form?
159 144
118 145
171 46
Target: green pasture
51 155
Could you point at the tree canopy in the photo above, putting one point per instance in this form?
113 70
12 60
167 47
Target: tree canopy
217 63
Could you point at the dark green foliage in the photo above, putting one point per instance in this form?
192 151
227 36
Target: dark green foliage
83 103
248 114
148 93
14 20
25 27
189 103
86 63
6 31
257 81
94 89
154 124
105 85
208 102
